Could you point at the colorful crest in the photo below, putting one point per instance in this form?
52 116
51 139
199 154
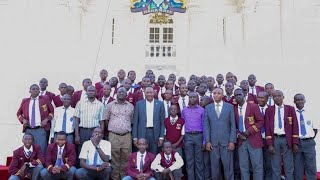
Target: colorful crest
158 6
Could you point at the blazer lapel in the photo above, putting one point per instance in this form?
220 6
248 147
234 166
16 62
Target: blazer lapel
223 110
248 112
144 110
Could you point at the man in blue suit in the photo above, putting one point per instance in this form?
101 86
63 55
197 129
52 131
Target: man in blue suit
149 121
220 135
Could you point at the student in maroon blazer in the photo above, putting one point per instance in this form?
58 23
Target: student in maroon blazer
244 85
106 98
103 80
134 86
27 160
161 83
60 163
155 85
175 88
249 121
41 125
57 99
139 95
254 89
43 87
282 135
78 95
182 100
229 98
137 169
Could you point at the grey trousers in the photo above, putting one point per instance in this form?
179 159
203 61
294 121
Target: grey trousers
40 138
85 135
305 160
207 164
176 174
194 156
281 146
153 144
221 154
34 171
247 155
48 176
267 164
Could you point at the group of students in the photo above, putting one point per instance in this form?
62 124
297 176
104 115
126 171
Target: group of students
208 130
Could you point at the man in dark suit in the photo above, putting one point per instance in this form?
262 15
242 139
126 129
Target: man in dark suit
220 135
139 163
254 89
36 113
249 121
60 159
27 160
282 135
81 94
43 87
57 100
149 121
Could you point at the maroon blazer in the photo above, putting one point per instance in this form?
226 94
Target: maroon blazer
252 98
132 165
137 96
258 89
253 121
76 98
57 101
232 100
290 125
50 95
99 86
19 159
156 88
45 107
68 156
130 98
109 101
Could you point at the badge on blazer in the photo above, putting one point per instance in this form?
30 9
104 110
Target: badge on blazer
234 101
251 102
251 120
44 107
290 120
309 122
178 126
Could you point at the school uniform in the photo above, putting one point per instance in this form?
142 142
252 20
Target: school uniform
167 105
282 131
161 92
270 101
230 99
63 121
64 157
255 90
181 102
99 86
57 101
174 129
48 94
106 100
130 98
36 110
134 88
77 96
251 98
305 159
163 161
32 156
139 163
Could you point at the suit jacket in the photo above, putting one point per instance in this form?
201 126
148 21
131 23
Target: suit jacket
156 88
68 156
137 96
140 120
290 125
50 95
132 165
220 131
57 101
232 100
76 98
19 159
99 86
45 107
253 121
258 89
252 98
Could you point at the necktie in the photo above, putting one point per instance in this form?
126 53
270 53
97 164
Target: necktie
161 90
252 91
95 158
269 102
172 121
211 94
168 109
42 92
218 110
279 118
33 114
59 159
262 112
64 123
302 124
141 163
183 103
241 129
168 159
104 100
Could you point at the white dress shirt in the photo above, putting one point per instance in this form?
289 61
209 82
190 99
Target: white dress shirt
308 124
27 153
156 164
149 110
277 130
37 111
88 150
244 107
139 159
271 100
220 106
186 100
58 119
112 91
263 134
166 110
253 90
42 93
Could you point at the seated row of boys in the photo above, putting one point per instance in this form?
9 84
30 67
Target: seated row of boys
28 161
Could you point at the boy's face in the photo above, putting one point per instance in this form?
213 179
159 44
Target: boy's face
34 91
183 89
193 98
173 110
61 140
142 145
167 148
181 80
27 141
63 88
106 90
168 95
169 84
66 99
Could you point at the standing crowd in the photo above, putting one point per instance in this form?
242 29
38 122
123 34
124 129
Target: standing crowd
198 129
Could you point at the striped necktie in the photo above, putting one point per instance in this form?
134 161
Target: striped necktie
279 118
64 123
262 112
59 159
183 103
141 163
302 124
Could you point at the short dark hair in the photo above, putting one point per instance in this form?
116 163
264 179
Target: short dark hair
62 133
28 134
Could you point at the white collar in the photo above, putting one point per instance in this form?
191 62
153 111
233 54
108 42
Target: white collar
264 107
279 106
62 148
150 102
139 154
27 150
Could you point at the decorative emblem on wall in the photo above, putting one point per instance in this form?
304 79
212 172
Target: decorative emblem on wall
158 6
160 18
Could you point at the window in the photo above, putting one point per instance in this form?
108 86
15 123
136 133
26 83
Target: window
154 35
167 35
160 42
